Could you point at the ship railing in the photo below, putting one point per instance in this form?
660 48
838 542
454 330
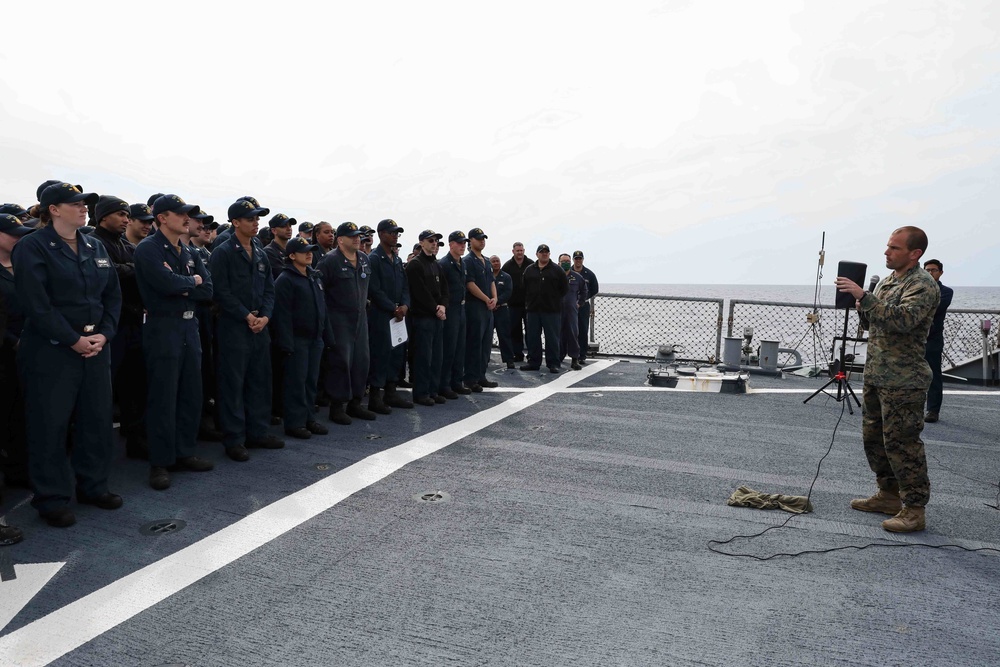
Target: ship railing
636 325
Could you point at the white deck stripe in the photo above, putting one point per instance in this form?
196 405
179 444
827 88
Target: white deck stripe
68 628
751 390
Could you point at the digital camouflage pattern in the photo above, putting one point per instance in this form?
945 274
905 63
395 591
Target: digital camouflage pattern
898 316
890 428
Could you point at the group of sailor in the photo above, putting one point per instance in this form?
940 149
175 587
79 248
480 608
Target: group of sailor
196 330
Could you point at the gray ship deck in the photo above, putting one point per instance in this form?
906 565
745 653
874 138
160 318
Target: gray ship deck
572 531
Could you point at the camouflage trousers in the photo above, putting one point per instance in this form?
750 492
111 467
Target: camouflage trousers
890 429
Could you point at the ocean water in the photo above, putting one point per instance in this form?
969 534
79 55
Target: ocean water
973 298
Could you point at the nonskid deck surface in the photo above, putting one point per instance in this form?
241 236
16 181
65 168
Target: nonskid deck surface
566 525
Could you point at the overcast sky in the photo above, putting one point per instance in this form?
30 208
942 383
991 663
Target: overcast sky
673 142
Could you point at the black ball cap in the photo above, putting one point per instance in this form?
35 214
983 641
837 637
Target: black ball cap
298 244
429 234
140 212
11 224
306 227
14 209
577 254
477 234
389 226
543 248
65 193
348 229
41 188
173 203
107 205
152 199
244 208
366 231
280 220
457 236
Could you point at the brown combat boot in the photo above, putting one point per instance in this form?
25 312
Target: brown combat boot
909 520
886 502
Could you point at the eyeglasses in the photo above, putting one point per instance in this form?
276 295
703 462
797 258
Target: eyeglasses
932 270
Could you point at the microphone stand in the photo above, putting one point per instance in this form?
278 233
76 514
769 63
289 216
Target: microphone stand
844 390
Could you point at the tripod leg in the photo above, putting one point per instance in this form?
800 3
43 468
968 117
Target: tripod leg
853 395
819 391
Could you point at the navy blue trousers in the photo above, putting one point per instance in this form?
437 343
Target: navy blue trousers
933 353
173 367
386 360
549 323
501 323
300 380
453 349
478 340
584 328
348 360
244 386
63 388
425 371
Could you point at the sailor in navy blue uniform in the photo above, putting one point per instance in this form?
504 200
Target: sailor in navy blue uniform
324 241
72 301
346 272
389 296
280 226
244 290
128 369
453 346
583 317
173 281
429 300
545 285
13 446
300 330
480 302
501 315
576 294
8 534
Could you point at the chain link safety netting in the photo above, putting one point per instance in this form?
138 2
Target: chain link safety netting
631 325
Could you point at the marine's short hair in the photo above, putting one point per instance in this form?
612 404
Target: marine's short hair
916 239
937 262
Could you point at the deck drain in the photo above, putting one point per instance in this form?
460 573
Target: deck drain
433 497
595 394
536 428
372 436
322 466
162 527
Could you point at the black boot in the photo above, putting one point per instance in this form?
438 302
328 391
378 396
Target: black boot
337 414
355 409
376 404
394 400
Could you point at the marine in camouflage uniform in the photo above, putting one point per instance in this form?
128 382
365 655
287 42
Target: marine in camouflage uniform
899 315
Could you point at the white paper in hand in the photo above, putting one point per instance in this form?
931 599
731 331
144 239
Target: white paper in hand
397 331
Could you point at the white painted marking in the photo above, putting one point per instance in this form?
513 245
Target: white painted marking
65 629
750 390
16 593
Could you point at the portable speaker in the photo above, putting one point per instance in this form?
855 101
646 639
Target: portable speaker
854 271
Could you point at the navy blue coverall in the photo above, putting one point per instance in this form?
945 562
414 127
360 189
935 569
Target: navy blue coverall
583 317
569 332
300 329
243 285
13 443
171 344
453 347
346 288
387 289
478 318
65 296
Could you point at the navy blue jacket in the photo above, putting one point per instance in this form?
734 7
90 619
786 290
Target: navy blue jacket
121 253
454 275
480 273
593 287
388 287
62 291
170 292
545 288
346 287
299 309
242 284
429 289
937 327
505 287
276 256
15 313
576 294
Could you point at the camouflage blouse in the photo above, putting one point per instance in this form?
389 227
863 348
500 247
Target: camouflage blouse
899 314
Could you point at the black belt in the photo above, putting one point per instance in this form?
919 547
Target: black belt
173 315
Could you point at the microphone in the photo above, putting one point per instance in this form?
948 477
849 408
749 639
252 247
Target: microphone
873 284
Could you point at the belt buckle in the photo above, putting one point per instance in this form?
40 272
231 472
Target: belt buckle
89 328
187 314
